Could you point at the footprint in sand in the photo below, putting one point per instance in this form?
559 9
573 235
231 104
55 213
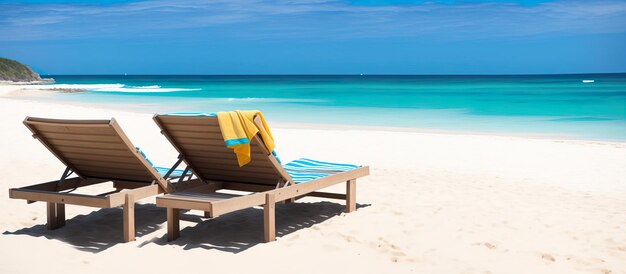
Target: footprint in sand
349 238
386 247
490 245
398 254
487 244
588 261
548 257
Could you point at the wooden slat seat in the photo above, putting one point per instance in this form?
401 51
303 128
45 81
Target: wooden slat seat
207 156
68 139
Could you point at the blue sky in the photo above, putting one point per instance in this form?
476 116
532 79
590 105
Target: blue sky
315 36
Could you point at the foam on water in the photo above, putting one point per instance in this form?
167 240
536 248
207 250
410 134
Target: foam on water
152 88
73 86
108 88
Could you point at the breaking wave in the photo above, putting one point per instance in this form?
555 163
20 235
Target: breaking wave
112 88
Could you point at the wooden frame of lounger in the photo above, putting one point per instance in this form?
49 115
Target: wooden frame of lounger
97 151
201 146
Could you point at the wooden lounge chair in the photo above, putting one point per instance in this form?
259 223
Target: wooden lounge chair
97 151
199 141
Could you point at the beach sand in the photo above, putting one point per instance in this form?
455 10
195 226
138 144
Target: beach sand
434 203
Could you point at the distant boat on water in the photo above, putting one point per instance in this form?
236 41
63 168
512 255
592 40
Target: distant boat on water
588 81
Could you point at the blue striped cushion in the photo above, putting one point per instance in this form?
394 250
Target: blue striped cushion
304 170
175 174
191 114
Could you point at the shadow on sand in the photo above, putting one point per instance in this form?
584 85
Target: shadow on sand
234 232
101 229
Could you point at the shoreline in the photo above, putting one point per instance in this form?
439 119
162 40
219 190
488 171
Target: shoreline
531 136
43 81
18 89
17 93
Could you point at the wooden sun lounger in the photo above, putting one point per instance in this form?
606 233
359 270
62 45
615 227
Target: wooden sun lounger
97 151
199 141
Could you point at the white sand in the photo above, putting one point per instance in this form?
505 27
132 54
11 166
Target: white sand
435 203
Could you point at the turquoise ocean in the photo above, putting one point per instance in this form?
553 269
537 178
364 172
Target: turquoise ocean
580 106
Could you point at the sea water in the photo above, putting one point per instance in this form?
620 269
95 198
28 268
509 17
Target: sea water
580 106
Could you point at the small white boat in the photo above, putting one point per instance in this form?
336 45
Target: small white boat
588 81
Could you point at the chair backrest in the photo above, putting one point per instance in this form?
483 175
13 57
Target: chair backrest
199 140
94 149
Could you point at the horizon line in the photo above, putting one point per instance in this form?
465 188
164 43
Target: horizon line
342 74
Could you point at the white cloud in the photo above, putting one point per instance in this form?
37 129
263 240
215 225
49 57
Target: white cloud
255 19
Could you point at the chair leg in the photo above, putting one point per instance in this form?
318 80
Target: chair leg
173 223
60 215
55 216
51 216
351 195
129 218
269 218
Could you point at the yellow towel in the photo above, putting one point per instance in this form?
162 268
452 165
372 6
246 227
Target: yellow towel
238 128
